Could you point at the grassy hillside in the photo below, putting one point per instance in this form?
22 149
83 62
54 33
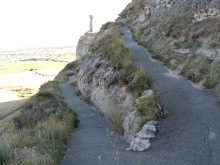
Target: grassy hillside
38 134
189 47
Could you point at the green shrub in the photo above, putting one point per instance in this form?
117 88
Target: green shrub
147 108
139 83
45 94
126 74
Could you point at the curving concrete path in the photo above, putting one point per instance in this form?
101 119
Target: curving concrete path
189 134
94 142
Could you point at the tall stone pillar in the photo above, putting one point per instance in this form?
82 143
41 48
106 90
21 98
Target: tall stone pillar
91 26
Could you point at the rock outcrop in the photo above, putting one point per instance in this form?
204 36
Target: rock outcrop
202 9
141 141
83 44
98 81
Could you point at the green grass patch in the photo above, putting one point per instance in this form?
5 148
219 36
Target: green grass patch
148 109
139 83
45 95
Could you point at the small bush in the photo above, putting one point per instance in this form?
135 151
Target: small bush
45 95
126 74
139 83
148 109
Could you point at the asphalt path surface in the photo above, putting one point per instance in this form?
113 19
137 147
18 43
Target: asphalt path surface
190 132
188 135
94 142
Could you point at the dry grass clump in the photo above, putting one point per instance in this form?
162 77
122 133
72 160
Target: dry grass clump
139 83
111 47
114 116
39 144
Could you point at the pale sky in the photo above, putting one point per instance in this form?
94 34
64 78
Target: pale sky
38 23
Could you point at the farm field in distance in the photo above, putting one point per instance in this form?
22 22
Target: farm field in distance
22 72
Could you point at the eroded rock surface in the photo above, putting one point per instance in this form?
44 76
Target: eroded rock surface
83 44
202 9
141 141
98 81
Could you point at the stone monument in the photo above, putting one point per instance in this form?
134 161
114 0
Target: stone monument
91 27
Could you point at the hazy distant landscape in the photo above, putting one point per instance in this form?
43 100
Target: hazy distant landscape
23 71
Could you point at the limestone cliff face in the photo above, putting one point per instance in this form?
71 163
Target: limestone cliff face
202 9
83 44
98 81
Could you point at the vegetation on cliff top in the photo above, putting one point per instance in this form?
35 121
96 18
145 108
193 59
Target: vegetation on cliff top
109 45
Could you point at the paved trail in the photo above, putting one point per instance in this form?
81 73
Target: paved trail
94 138
189 134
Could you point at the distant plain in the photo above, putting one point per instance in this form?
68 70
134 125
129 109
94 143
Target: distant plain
22 72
